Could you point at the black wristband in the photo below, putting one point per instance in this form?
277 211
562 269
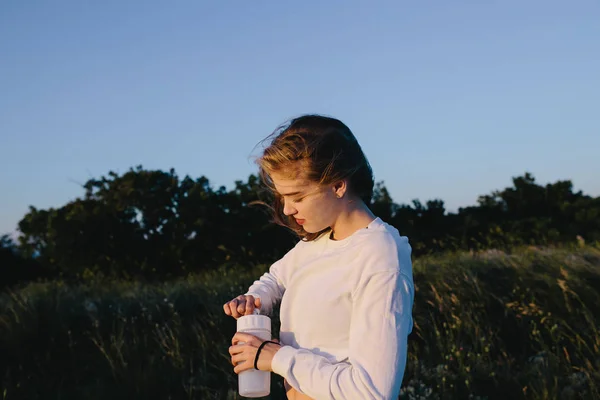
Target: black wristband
258 352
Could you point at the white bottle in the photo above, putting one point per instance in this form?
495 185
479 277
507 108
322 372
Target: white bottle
253 383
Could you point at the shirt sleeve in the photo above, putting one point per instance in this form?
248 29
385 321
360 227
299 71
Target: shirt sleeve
271 285
380 324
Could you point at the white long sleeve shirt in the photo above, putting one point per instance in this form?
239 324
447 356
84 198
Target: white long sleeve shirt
346 312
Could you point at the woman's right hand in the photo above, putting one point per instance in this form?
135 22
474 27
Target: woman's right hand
241 305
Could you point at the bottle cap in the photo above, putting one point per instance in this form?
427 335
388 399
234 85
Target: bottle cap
254 321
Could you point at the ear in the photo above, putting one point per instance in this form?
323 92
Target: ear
340 188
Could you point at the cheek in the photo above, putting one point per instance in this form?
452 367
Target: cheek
320 211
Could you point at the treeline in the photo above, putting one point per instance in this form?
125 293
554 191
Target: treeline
154 225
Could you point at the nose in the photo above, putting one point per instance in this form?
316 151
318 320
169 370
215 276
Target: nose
287 209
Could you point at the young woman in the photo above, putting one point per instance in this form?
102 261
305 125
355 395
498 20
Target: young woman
346 287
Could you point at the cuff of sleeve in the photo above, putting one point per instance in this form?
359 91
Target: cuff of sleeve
280 364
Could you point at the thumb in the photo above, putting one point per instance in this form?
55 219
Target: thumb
257 302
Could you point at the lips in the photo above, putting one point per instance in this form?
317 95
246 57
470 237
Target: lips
300 221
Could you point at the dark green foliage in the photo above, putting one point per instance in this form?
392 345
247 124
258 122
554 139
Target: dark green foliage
153 225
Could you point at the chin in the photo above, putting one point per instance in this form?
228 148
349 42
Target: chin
305 229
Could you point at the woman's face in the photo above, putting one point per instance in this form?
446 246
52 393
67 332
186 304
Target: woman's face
315 207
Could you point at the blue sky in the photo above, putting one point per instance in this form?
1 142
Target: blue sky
448 99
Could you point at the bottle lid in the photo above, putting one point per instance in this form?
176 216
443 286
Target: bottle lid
254 321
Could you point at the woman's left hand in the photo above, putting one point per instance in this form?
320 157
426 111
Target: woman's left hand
243 351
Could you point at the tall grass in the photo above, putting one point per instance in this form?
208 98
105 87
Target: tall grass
488 325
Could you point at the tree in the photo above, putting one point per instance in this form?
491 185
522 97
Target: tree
150 224
14 268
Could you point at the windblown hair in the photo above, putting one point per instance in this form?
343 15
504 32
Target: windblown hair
317 148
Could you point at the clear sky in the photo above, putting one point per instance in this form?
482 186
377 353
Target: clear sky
449 99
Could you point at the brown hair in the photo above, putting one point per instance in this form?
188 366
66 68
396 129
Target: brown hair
325 150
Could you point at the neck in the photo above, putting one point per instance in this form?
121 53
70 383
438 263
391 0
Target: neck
354 217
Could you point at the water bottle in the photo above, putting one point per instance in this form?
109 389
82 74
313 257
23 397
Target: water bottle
254 383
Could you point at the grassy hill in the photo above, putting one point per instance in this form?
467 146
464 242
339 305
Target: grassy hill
488 325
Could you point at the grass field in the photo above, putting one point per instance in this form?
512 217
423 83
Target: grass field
488 325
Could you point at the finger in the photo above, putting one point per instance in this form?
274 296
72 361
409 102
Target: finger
241 308
240 305
238 359
233 305
227 307
243 337
249 305
236 349
232 311
257 302
243 366
238 338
